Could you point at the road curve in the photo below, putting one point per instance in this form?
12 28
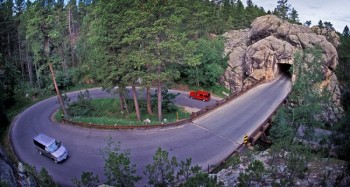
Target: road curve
207 140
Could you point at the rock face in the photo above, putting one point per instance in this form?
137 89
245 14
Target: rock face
320 172
13 176
268 48
7 176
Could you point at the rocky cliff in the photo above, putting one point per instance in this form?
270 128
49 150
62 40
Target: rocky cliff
7 174
268 47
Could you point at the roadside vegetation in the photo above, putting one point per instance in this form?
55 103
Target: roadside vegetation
299 148
163 171
103 111
153 44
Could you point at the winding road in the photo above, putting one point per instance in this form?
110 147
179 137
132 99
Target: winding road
207 140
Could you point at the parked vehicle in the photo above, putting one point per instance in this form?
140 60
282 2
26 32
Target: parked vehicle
201 95
50 147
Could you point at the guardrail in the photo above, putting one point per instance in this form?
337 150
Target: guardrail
193 116
225 100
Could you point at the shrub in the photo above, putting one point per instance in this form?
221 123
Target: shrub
83 106
168 105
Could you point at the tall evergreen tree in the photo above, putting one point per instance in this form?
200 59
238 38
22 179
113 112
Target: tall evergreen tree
307 23
346 32
282 9
320 24
294 16
328 25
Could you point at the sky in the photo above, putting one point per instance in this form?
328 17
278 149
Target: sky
335 11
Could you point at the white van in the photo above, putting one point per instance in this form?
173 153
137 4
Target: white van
50 147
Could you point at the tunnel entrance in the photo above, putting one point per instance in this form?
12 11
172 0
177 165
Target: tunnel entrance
284 69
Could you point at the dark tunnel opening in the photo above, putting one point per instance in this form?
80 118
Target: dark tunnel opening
285 69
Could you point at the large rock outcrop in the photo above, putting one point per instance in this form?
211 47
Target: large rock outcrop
7 175
13 176
268 47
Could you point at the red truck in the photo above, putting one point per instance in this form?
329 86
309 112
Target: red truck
201 95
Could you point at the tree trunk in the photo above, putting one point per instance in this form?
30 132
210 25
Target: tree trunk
159 96
137 109
121 102
159 86
125 104
38 78
20 53
72 36
29 66
9 46
65 112
148 98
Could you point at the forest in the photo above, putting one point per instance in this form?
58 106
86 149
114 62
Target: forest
113 43
137 43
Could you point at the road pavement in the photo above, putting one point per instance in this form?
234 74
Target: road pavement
207 140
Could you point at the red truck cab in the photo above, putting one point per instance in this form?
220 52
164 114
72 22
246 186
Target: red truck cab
201 95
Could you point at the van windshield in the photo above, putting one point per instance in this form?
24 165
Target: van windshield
53 147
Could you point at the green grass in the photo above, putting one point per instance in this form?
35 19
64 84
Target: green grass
107 112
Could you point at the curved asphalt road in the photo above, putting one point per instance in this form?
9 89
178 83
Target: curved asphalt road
208 140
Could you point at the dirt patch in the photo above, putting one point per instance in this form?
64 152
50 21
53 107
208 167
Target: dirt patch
190 110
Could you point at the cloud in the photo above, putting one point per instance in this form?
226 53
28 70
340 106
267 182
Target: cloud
335 11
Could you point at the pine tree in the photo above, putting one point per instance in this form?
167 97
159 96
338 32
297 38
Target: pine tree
282 9
320 24
119 169
294 16
346 32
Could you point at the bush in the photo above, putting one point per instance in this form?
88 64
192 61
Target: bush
168 105
83 106
64 79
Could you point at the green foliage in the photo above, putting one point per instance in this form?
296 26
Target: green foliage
201 179
343 141
282 9
303 109
105 113
212 63
88 179
4 183
64 79
46 179
162 171
308 97
254 172
281 129
43 178
187 171
306 101
297 159
8 81
165 171
293 16
118 167
343 75
168 98
343 69
83 106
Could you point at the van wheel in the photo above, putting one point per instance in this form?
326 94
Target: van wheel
191 97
